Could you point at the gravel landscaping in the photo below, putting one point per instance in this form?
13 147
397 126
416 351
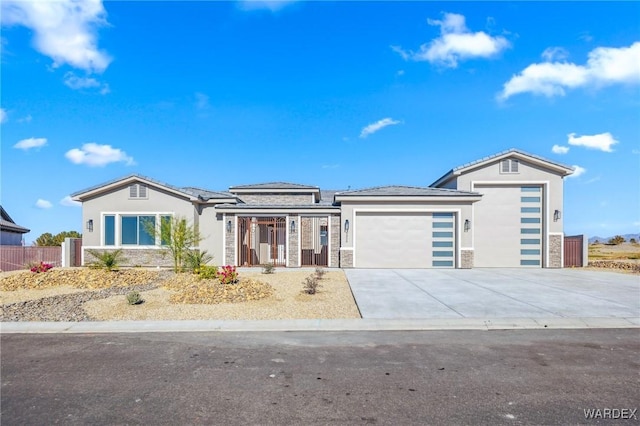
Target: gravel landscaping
84 294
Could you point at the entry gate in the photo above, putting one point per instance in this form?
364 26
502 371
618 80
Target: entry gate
315 241
573 251
262 240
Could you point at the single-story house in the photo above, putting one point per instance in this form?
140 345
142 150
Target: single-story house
504 210
10 233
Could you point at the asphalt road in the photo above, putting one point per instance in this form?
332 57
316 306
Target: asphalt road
431 377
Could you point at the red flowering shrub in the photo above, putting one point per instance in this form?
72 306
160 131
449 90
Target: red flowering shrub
41 267
228 275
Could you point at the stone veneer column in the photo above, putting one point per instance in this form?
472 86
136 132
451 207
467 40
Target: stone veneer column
293 249
230 240
346 258
466 262
334 234
555 251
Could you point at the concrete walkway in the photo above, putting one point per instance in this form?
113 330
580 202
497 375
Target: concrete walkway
494 293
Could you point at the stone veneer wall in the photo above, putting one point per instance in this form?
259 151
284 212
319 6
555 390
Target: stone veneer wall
277 199
292 244
346 258
230 241
137 257
334 234
466 262
555 251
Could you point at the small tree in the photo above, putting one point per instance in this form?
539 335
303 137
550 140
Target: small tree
618 239
48 239
177 236
633 241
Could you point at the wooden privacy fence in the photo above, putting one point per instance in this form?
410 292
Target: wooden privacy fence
574 251
13 258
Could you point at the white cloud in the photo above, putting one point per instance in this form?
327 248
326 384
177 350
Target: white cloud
26 119
64 30
605 66
43 204
77 83
272 5
558 149
202 101
577 171
68 202
378 125
3 115
330 166
554 54
31 143
456 43
602 141
95 155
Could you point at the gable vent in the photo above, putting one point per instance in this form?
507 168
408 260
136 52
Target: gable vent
509 166
137 190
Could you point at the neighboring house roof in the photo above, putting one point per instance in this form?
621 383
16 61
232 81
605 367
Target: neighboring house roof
273 185
406 191
7 224
327 196
560 168
193 194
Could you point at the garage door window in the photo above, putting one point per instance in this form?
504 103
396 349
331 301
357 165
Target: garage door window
530 221
442 239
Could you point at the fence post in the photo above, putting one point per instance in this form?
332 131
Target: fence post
585 250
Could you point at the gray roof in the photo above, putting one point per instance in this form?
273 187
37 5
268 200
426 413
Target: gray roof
327 196
407 191
499 154
276 206
275 185
205 194
133 175
510 151
7 224
202 194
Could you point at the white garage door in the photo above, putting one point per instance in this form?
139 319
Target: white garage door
508 229
404 240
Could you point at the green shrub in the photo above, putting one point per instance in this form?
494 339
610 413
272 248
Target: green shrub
207 272
109 260
618 239
268 268
195 259
320 273
133 298
311 284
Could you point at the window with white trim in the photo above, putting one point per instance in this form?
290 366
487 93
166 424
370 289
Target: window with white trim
138 191
509 165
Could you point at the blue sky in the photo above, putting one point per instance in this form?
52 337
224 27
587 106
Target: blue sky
334 94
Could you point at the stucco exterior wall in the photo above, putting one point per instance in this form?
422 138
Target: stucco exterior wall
212 231
528 174
277 199
117 201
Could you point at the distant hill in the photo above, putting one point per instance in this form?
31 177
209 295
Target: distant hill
627 237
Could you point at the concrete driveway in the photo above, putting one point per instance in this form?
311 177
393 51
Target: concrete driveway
494 293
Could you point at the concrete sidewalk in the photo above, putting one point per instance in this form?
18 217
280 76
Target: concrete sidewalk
319 325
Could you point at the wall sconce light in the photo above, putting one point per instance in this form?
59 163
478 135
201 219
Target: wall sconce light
346 225
229 225
90 225
557 215
293 226
467 225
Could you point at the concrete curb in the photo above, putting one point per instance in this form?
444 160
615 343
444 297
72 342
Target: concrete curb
484 324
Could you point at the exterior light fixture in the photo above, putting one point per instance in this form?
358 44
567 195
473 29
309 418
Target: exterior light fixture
557 215
467 225
90 225
346 225
229 224
293 226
